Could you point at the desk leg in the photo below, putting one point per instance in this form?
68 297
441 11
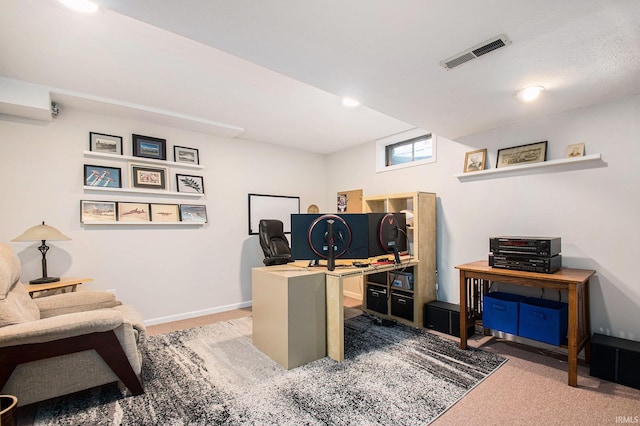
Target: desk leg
573 336
335 318
463 310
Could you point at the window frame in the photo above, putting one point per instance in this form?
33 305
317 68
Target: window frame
384 145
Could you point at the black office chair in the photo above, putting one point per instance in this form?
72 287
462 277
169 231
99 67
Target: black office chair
273 242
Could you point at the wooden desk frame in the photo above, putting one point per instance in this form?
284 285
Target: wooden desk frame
474 284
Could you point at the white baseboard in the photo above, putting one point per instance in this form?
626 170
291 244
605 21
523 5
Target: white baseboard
195 314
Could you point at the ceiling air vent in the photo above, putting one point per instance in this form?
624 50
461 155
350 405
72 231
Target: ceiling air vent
476 51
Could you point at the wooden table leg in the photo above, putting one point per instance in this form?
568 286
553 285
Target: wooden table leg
335 318
573 336
463 310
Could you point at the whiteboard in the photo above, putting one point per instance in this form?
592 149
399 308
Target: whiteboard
262 206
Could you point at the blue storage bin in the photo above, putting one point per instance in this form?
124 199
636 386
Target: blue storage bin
544 320
500 311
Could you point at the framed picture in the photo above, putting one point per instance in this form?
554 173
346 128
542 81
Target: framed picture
97 211
109 144
133 212
183 154
531 153
149 177
164 212
100 176
475 161
575 150
192 184
193 213
148 147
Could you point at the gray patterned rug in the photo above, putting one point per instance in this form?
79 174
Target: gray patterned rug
213 375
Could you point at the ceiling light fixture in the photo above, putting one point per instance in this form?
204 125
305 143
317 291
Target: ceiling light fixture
529 94
350 102
84 6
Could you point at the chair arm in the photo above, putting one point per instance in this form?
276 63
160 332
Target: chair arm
60 327
77 301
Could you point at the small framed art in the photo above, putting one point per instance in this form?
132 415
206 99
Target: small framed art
193 213
182 154
575 150
97 211
475 161
148 147
531 153
191 184
103 177
108 144
149 177
133 212
164 212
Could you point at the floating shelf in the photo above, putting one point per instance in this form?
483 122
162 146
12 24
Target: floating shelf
143 191
486 174
144 223
116 157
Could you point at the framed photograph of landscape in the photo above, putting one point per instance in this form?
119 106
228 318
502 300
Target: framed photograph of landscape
148 177
97 211
190 184
164 212
149 147
108 144
531 153
193 213
133 212
102 177
182 154
474 161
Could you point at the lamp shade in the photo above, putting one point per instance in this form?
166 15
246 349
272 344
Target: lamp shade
41 232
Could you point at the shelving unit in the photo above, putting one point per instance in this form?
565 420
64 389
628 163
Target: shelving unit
143 223
486 174
116 157
142 191
422 244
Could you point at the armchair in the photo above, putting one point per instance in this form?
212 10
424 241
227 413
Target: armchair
56 345
274 243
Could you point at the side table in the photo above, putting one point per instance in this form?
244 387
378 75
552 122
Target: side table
63 284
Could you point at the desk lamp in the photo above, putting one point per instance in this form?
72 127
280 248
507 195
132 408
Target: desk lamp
42 233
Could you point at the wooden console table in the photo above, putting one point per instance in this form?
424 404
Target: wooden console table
474 284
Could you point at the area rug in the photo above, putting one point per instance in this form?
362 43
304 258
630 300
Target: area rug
213 375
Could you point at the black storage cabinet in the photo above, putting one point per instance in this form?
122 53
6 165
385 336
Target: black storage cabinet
616 360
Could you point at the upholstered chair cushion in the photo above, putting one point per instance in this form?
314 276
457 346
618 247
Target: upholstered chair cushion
15 304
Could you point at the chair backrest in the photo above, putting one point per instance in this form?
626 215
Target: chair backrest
274 243
15 304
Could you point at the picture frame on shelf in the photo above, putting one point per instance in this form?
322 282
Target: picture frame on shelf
182 154
148 177
522 154
195 213
475 161
189 184
98 211
133 212
108 144
102 177
575 150
149 147
164 212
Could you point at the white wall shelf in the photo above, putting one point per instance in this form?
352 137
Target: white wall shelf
489 173
116 157
143 191
100 223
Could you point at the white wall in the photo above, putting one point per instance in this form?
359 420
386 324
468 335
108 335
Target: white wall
594 209
166 272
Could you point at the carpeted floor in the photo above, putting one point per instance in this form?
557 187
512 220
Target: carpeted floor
214 375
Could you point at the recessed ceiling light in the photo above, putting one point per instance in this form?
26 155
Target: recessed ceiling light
529 94
84 6
350 102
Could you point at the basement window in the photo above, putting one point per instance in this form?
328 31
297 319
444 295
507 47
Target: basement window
407 149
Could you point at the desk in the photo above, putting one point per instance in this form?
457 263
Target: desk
474 283
63 284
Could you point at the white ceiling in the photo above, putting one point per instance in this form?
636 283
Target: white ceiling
278 68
